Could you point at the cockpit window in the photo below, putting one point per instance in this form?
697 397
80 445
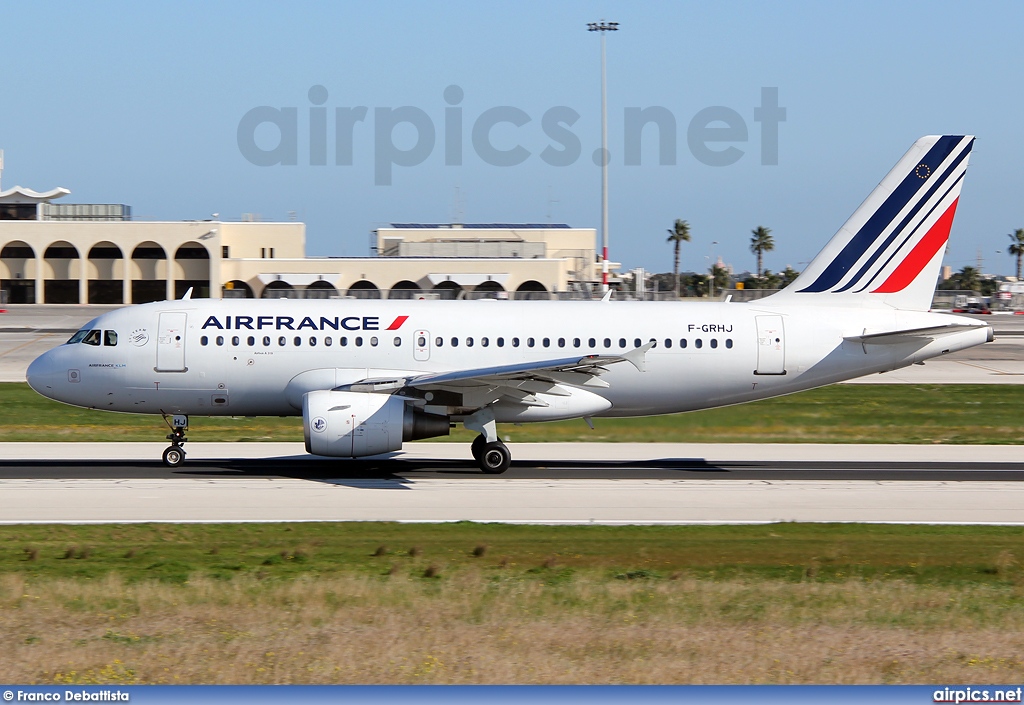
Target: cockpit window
92 338
77 337
110 337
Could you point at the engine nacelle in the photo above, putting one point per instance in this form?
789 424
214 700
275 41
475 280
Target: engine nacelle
354 424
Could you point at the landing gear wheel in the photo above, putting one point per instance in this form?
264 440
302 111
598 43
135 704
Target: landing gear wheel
495 458
174 456
478 446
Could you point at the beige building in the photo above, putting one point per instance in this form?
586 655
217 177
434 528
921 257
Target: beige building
95 253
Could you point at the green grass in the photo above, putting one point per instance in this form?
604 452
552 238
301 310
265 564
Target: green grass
899 413
938 555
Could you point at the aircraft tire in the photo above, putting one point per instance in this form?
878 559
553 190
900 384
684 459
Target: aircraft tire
478 446
174 456
495 458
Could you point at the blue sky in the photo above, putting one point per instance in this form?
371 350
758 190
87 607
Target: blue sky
140 103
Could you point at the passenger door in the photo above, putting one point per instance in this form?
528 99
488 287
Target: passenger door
421 345
170 344
771 346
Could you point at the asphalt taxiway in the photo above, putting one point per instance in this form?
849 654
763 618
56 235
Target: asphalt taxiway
547 484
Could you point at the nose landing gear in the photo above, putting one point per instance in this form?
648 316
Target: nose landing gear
174 455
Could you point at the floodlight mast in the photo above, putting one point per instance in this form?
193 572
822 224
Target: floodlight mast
603 27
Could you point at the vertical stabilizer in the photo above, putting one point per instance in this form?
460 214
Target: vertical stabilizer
890 250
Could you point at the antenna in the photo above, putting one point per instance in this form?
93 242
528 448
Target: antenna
551 202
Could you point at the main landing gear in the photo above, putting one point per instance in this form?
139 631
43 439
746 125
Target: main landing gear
491 455
493 458
174 455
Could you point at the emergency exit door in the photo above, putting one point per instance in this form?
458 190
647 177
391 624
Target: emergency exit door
170 344
771 346
421 345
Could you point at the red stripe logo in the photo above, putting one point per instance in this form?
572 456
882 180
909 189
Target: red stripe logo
397 323
921 255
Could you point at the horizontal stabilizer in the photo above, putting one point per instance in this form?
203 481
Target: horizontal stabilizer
911 335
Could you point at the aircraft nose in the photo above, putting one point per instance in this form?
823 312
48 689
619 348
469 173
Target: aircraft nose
41 374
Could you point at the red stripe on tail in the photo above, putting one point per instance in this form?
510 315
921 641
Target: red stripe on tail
921 255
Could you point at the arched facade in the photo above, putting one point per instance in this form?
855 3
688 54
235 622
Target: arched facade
278 289
448 290
62 272
18 272
237 289
364 289
192 271
148 273
404 289
105 271
532 290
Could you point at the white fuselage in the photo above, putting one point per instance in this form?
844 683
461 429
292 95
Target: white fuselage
244 357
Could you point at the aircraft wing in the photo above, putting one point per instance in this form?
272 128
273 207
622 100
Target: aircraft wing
909 335
583 369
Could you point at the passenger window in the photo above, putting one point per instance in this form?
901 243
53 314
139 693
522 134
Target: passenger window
714 342
622 342
728 342
637 343
77 337
592 342
266 341
547 342
251 341
312 341
438 342
109 338
682 342
561 342
529 342
235 341
92 338
652 340
343 341
575 342
469 342
220 340
500 342
282 341
328 341
607 342
455 342
485 342
698 343
421 341
359 341
204 341
515 342
398 342
373 341
668 342
298 341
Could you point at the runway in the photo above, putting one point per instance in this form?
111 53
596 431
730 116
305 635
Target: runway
548 484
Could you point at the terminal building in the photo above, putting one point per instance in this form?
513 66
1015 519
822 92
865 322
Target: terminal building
96 253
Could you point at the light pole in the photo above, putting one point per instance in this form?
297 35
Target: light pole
714 266
603 27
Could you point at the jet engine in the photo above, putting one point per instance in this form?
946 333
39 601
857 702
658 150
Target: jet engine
354 424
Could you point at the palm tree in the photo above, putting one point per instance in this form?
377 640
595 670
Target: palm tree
759 244
968 278
679 234
1017 248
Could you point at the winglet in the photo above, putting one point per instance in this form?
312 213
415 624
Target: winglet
188 295
607 296
638 356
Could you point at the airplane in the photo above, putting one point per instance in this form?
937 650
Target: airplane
368 375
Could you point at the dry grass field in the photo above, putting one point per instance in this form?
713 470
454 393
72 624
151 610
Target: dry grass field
474 629
465 603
